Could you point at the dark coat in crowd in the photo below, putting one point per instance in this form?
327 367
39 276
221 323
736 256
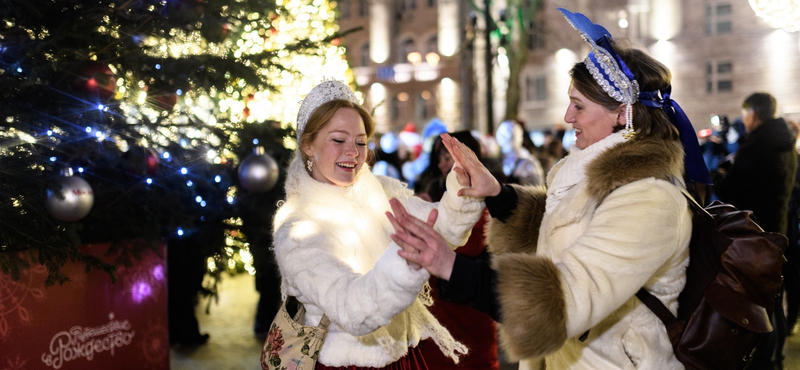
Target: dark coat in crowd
761 176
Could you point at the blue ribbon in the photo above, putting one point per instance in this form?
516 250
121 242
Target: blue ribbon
693 158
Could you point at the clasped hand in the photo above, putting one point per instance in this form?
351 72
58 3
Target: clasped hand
422 246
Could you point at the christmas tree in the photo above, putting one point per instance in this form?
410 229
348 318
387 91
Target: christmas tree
156 108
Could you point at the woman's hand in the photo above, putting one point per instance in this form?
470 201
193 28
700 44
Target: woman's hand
422 245
471 172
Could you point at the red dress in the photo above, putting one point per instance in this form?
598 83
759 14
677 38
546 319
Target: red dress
473 328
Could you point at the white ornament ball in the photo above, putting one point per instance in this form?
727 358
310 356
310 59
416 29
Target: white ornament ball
77 201
258 173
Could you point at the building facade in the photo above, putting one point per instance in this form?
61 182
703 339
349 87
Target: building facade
419 59
719 51
407 60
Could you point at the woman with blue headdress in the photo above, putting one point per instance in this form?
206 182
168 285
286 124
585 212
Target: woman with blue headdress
569 260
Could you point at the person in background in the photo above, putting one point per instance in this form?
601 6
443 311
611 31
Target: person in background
389 156
791 269
763 169
332 244
430 133
473 328
553 152
760 179
567 261
186 268
519 165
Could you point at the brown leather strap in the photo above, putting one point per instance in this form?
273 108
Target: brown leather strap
655 305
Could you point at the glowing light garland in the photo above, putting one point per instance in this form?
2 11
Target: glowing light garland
238 103
784 14
241 103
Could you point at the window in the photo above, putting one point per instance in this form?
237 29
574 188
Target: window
536 26
406 47
420 108
395 108
536 36
363 60
535 88
432 45
344 9
719 77
363 8
407 5
719 19
431 3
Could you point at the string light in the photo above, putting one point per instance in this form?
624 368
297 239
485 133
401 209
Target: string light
239 102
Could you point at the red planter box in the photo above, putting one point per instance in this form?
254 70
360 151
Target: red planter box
89 322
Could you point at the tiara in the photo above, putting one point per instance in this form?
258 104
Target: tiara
324 92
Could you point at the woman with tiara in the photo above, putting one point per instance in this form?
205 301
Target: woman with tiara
569 260
333 248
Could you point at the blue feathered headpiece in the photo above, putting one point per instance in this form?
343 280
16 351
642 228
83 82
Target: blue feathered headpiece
617 80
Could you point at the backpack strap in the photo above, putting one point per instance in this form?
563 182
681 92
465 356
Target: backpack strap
655 305
693 204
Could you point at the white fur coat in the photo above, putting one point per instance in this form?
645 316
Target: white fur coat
622 224
333 249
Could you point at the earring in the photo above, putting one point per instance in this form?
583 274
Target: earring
309 164
629 131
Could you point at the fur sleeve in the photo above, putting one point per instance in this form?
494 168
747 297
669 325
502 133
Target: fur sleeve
533 310
316 267
519 234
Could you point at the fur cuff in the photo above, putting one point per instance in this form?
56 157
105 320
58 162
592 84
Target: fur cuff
533 310
520 233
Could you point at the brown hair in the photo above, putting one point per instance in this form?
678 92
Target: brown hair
320 117
651 75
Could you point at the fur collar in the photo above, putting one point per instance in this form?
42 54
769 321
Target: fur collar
631 161
622 164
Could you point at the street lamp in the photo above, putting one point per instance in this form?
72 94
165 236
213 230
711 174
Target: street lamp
783 14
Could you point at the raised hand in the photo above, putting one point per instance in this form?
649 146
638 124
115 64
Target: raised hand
421 244
471 172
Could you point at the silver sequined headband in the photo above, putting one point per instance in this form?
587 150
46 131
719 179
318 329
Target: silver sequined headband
321 94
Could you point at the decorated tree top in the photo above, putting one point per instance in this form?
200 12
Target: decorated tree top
153 104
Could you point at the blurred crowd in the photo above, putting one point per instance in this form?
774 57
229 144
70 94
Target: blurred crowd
514 155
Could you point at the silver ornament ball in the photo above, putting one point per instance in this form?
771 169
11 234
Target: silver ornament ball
258 172
77 200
